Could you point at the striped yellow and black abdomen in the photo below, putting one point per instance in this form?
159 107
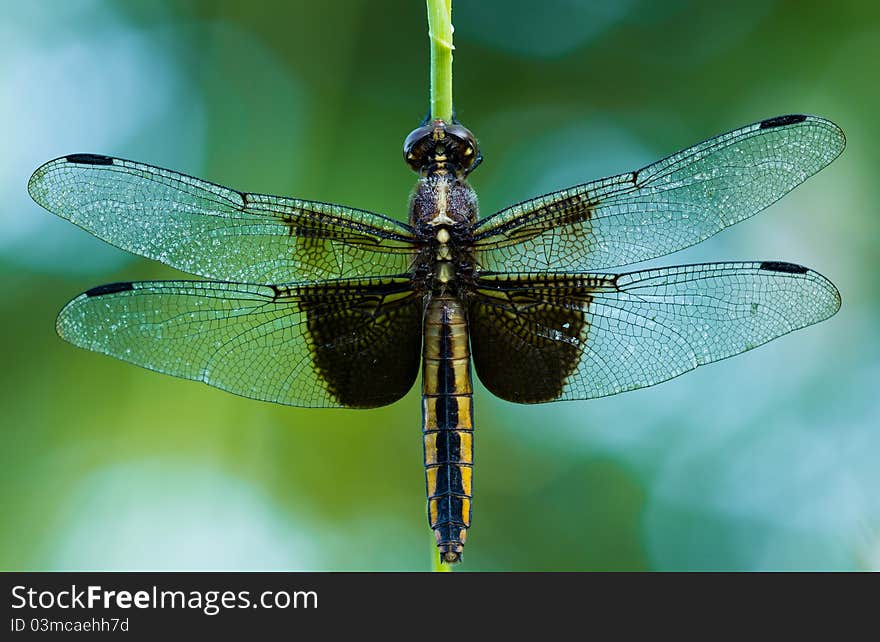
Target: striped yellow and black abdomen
447 423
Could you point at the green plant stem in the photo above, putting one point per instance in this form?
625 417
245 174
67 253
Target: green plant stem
440 37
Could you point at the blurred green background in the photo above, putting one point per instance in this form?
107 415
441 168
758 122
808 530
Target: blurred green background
766 461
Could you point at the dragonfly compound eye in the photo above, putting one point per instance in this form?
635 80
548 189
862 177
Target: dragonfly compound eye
418 146
464 149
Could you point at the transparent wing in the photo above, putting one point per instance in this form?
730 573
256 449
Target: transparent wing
664 207
341 344
217 232
542 337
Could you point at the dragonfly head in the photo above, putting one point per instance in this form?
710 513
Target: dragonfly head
440 148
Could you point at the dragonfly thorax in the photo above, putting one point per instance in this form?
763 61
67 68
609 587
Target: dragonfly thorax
442 200
443 208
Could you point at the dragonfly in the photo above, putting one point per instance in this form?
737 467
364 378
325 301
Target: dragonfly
314 304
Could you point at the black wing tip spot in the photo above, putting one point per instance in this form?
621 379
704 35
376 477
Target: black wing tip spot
110 288
780 121
782 266
89 159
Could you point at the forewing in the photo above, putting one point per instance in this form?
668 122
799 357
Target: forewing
664 207
216 232
543 337
340 344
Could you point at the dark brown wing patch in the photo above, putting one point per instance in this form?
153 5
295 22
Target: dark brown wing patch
527 333
563 210
366 348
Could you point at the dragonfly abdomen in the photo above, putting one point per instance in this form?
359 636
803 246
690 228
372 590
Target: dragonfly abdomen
447 424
